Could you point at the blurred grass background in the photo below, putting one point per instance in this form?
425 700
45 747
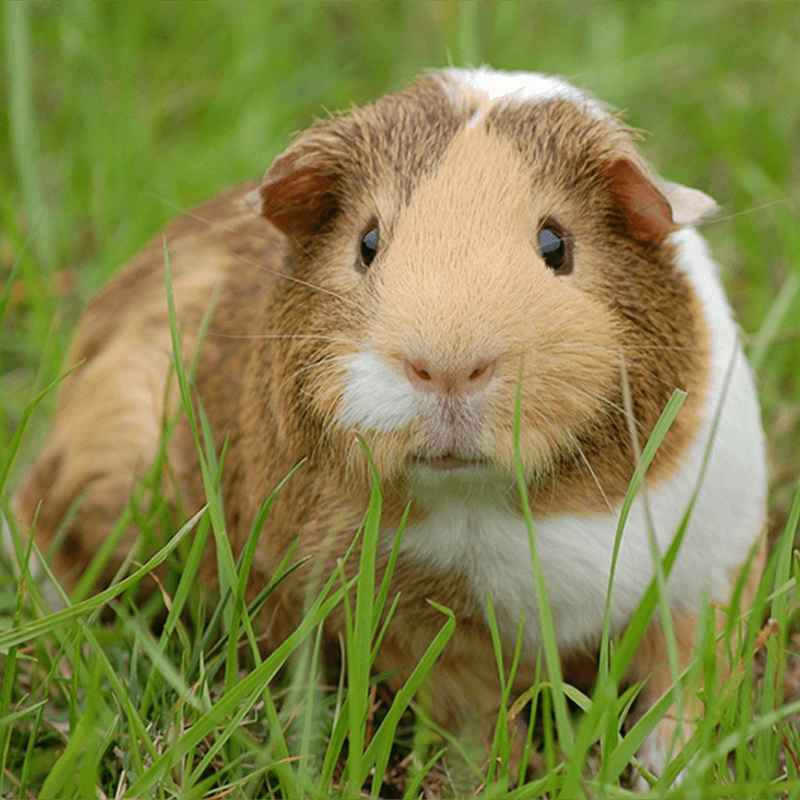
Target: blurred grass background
118 115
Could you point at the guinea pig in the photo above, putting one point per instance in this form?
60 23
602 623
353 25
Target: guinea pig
404 274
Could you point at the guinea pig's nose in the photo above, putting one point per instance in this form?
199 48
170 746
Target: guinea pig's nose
425 377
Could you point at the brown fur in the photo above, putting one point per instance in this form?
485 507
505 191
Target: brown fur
452 202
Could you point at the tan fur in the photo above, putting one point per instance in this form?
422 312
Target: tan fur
450 201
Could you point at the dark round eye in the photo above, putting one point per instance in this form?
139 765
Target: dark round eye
553 249
369 245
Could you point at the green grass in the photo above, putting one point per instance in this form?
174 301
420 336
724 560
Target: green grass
123 114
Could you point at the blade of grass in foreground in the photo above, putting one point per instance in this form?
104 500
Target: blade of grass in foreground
546 624
500 751
657 436
783 567
32 630
138 729
211 467
643 613
190 571
746 733
204 444
91 574
359 646
239 699
414 786
10 666
240 616
383 592
641 617
381 745
8 719
75 772
772 695
16 439
605 692
10 280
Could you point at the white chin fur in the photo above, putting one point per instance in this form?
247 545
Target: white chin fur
375 396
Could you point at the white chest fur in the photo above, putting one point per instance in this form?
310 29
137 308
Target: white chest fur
476 535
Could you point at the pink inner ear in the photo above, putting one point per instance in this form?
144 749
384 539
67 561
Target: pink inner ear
296 199
648 212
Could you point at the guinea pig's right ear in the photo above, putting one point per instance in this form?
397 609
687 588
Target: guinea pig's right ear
652 206
689 206
297 193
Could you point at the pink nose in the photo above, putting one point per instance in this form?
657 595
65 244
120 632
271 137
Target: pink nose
427 378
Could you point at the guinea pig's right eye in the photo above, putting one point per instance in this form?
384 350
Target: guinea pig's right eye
369 245
554 248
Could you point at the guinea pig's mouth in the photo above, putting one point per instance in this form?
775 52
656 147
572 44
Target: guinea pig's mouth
447 462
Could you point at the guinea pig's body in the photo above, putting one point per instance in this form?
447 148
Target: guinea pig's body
428 255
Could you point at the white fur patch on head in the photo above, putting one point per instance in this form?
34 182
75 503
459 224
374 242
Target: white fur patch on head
375 397
522 87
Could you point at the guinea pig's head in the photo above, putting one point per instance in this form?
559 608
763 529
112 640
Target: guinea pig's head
478 234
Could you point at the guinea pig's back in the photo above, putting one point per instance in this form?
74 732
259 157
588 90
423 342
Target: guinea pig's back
221 246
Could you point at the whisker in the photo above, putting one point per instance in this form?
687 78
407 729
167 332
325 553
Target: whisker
567 349
328 422
662 381
586 393
232 227
308 368
752 210
304 336
321 363
188 211
585 460
299 281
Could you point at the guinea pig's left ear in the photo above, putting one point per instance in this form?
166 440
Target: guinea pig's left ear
297 192
654 208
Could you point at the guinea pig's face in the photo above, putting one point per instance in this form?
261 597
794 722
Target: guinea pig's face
453 248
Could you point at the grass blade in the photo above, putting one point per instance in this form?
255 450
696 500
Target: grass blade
32 630
546 624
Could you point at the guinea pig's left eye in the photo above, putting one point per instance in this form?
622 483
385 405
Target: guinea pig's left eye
369 245
554 250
